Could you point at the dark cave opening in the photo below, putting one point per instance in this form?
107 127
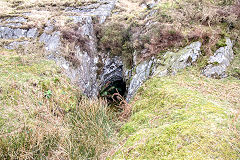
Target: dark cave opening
114 91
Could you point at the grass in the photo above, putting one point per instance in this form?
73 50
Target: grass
41 11
234 69
24 74
44 116
23 4
91 130
183 117
172 24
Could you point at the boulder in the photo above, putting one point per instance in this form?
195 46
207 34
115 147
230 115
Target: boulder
172 62
218 63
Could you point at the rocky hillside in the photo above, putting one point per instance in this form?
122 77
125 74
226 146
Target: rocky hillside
119 79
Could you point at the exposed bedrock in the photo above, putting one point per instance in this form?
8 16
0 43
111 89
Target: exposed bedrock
95 73
218 63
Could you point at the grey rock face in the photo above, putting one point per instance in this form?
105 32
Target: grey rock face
15 45
44 38
87 27
10 33
19 33
142 74
100 10
16 19
86 74
52 42
219 62
32 33
112 70
188 56
173 62
6 33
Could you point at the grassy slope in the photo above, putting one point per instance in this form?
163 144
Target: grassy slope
41 115
183 117
234 69
24 75
30 87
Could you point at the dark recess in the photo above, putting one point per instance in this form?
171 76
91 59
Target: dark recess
114 89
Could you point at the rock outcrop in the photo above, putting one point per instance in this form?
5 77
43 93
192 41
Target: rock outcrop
169 64
70 40
142 73
172 62
86 73
218 63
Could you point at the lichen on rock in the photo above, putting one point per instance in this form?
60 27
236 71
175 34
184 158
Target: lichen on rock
172 62
143 71
218 63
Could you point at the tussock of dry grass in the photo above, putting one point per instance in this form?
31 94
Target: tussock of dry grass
5 7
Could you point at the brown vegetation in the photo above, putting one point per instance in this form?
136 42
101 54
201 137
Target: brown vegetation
73 37
115 38
73 34
43 116
173 24
162 40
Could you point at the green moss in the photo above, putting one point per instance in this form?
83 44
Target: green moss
234 69
221 43
127 54
24 78
202 62
172 120
115 39
112 38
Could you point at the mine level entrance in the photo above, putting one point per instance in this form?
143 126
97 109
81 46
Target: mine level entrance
114 91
